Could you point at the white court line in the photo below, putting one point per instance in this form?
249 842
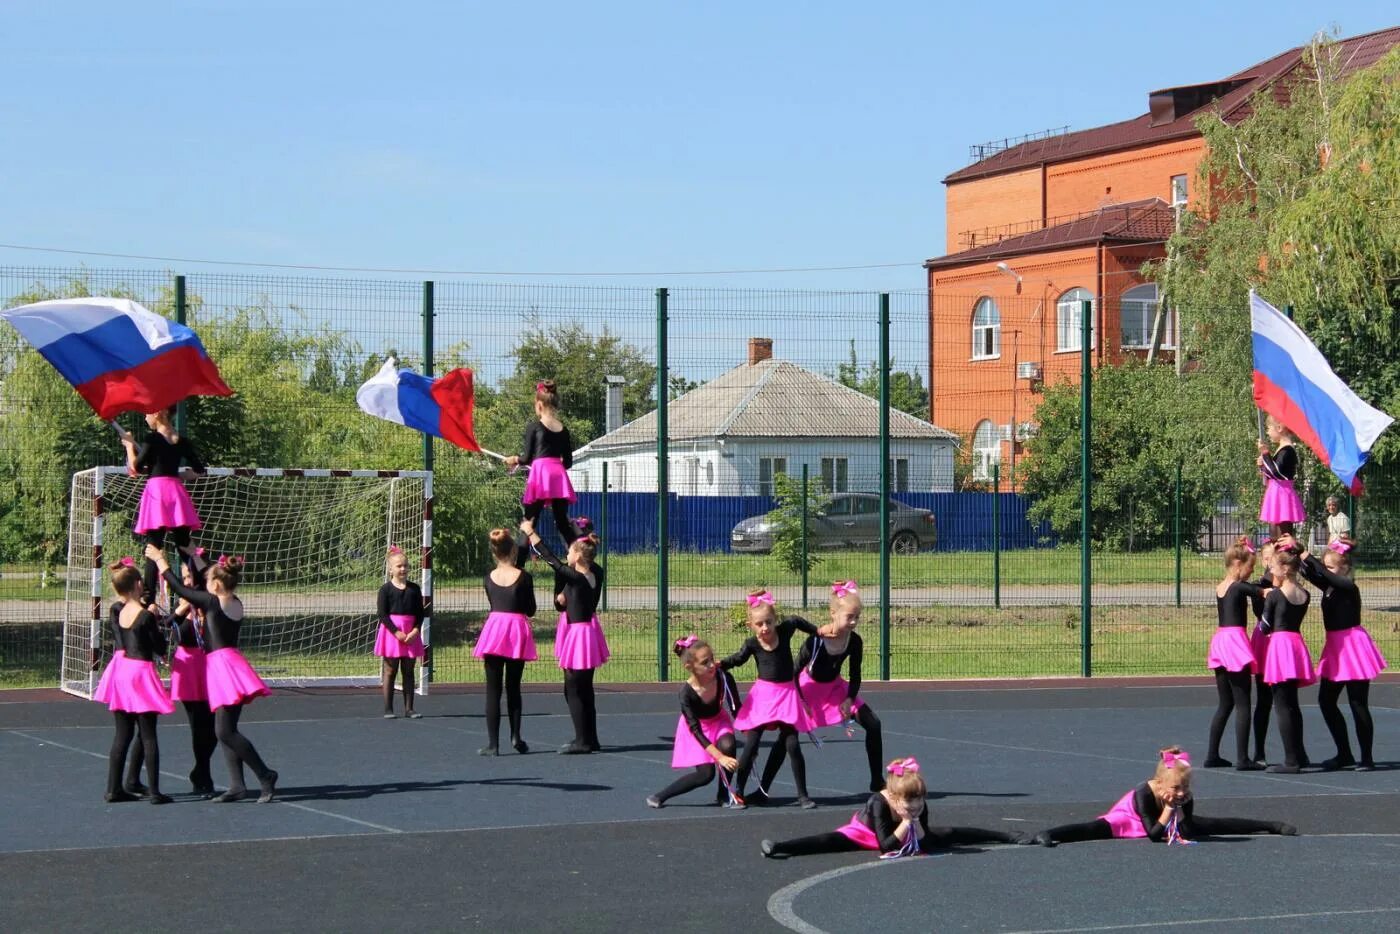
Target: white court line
1195 921
291 804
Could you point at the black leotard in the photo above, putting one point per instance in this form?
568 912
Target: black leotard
1283 616
824 667
1281 465
188 630
580 597
693 709
541 442
1341 600
159 458
880 817
1231 607
775 665
400 602
519 597
144 640
1256 599
220 630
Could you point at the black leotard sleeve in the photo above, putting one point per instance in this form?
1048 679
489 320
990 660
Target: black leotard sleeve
1148 810
1282 464
880 817
220 630
1230 609
775 665
693 709
580 597
1341 599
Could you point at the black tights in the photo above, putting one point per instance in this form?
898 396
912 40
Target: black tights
128 724
181 537
500 669
238 752
936 838
203 742
392 667
1290 722
701 776
1359 699
1232 691
560 508
874 746
787 746
1263 704
1100 829
578 693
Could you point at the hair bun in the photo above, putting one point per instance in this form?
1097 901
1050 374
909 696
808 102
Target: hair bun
500 535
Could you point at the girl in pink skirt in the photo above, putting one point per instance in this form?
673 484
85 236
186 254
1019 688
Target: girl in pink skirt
1231 656
579 644
1288 664
400 636
1350 658
773 702
188 678
829 699
131 687
166 506
1161 809
894 822
549 453
507 640
705 729
229 680
1281 506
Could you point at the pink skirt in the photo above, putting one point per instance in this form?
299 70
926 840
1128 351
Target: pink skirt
824 699
1124 820
580 645
548 480
187 678
1281 502
1288 660
231 680
132 686
772 702
687 752
1259 643
859 834
165 504
387 645
1230 649
1350 655
508 635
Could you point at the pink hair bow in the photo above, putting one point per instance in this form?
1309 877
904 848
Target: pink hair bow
199 551
225 559
843 589
1340 547
583 523
900 766
541 387
685 642
126 562
761 599
395 550
1173 759
1248 546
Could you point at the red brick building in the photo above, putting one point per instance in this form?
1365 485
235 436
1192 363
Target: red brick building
1037 226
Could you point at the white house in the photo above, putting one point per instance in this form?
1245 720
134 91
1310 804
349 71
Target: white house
730 436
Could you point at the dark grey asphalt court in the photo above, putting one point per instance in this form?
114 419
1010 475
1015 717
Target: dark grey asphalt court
391 825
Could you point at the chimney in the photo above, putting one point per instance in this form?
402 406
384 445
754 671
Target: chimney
760 349
612 411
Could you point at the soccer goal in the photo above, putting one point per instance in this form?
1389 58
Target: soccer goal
314 543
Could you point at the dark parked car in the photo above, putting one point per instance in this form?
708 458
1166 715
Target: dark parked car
852 520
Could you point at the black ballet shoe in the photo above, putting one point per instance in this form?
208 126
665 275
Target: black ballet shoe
1337 763
805 803
158 798
766 848
1284 769
575 749
135 788
1216 762
520 746
268 786
1249 765
1043 839
1304 762
595 747
1287 830
758 798
117 797
488 751
1365 766
654 802
232 795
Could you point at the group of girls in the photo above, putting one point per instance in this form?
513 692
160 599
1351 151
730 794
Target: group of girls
208 675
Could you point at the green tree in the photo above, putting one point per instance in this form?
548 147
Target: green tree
788 521
907 390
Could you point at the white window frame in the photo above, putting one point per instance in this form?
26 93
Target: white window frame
986 449
775 465
986 334
836 474
618 478
1068 306
899 475
1180 198
1140 305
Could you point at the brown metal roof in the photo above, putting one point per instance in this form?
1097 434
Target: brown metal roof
1354 54
1148 221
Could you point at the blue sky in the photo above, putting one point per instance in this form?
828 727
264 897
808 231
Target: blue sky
538 138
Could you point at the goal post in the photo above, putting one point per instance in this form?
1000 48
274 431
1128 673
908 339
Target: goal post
314 543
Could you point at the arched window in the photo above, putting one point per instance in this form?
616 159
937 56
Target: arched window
1139 312
986 449
986 330
1067 319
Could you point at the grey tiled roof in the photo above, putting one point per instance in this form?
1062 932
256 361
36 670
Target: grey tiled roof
770 399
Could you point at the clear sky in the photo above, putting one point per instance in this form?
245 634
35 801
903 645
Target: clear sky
647 137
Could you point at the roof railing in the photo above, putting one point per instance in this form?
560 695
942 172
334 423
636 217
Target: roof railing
980 151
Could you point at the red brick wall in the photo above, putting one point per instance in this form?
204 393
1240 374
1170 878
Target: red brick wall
1012 198
1088 184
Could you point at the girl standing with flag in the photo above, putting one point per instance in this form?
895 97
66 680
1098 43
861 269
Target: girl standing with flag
1281 506
166 506
549 453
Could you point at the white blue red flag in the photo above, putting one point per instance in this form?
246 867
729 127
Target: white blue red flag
441 407
1294 384
120 356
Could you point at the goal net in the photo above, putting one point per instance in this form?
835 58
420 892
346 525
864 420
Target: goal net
314 543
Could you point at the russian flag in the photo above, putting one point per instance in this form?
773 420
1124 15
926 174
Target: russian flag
120 356
1294 384
441 407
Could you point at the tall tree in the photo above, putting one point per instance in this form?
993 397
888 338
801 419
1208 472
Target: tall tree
907 391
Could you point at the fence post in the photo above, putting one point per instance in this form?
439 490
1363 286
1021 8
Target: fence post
1176 530
805 468
996 535
663 496
428 315
884 486
181 314
603 531
1086 414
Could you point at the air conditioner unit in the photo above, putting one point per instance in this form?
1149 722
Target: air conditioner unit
1004 431
1030 370
1026 430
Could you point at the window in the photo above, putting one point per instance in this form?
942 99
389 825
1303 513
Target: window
709 473
899 474
1067 320
768 467
618 480
1139 312
834 474
986 450
1179 190
865 505
986 329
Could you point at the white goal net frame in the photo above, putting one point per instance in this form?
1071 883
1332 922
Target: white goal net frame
314 541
